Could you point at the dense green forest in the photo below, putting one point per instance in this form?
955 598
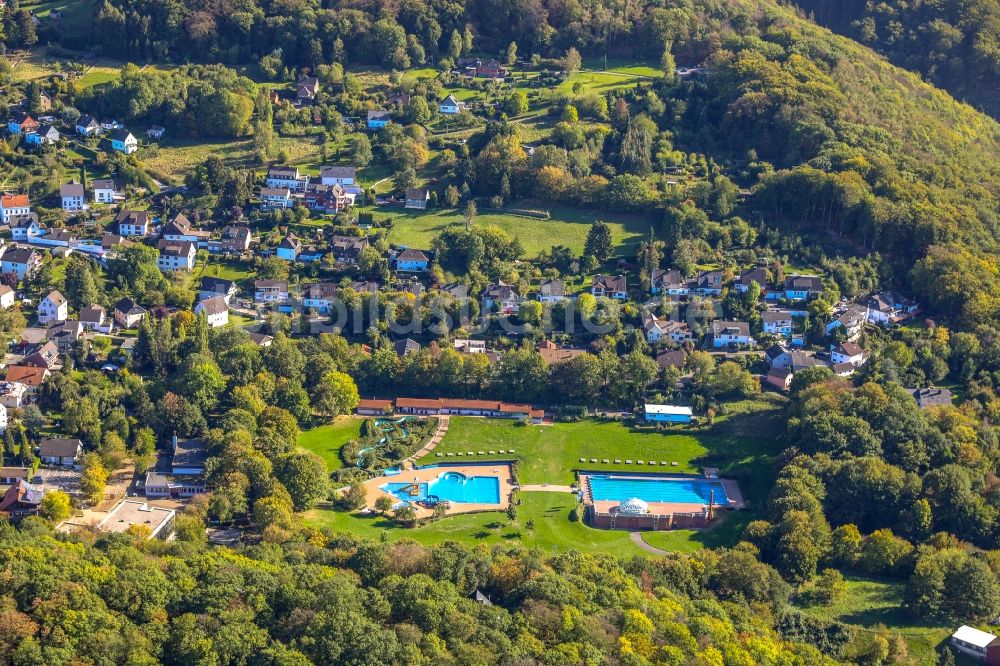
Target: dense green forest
335 599
952 43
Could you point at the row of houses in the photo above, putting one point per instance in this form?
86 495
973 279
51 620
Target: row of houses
35 132
334 191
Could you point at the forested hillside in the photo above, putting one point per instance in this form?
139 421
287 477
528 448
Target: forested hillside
955 44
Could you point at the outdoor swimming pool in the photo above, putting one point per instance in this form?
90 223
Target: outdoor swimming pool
451 486
666 490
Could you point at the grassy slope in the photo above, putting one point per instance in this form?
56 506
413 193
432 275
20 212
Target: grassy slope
567 226
327 440
553 529
873 601
549 454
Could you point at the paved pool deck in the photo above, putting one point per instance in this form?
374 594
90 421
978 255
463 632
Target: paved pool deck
425 474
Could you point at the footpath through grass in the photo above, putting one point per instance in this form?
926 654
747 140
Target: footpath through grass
553 529
327 440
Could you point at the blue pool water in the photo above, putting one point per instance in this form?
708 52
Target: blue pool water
451 486
667 490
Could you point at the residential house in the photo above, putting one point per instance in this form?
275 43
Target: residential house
672 358
6 297
311 253
468 346
111 242
398 99
211 287
14 474
337 175
780 378
175 255
730 334
53 308
289 248
662 330
706 283
276 197
270 291
364 286
887 308
746 278
669 281
73 196
47 135
412 261
802 287
30 377
21 261
450 106
610 286
778 356
128 313
13 395
12 205
501 297
377 119
133 223
848 352
978 645
328 199
110 124
320 296
799 360
306 89
491 69
216 310
851 321
553 353
25 227
777 322
931 397
346 249
108 190
44 99
88 126
156 132
406 347
95 318
181 229
22 123
65 334
279 177
21 498
455 290
235 239
417 197
551 291
60 451
667 414
123 141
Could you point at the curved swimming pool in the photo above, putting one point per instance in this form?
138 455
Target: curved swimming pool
451 486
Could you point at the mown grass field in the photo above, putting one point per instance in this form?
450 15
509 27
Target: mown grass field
550 512
566 226
549 454
327 440
872 601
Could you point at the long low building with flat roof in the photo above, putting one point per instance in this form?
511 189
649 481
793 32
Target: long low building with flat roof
450 406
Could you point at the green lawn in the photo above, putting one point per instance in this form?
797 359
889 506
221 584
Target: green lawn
871 601
327 440
553 530
566 226
227 270
549 454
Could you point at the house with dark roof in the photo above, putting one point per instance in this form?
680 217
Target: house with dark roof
417 197
731 333
405 347
931 397
95 318
320 296
60 451
134 223
212 286
669 281
175 255
609 286
289 248
848 352
128 313
21 261
88 126
337 175
501 297
347 249
234 239
802 287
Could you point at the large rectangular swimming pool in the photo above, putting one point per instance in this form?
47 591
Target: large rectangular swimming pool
666 490
451 486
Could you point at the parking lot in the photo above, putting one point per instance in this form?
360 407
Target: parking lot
62 478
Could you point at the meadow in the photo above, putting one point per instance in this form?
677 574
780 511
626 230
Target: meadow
327 440
565 226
